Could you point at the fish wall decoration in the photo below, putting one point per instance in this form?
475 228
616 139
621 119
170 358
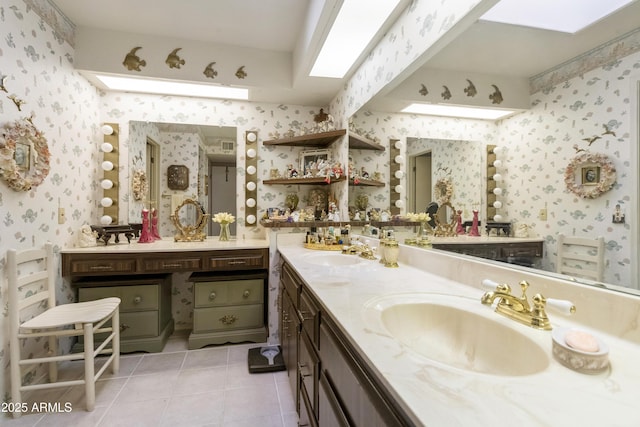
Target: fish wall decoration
132 61
173 60
209 71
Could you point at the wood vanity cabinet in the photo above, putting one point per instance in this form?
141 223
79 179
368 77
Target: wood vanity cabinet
522 253
333 385
145 308
228 307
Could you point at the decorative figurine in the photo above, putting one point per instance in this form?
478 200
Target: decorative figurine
87 237
474 225
145 234
154 225
459 227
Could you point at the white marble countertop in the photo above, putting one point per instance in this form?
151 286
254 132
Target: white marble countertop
466 240
436 394
168 245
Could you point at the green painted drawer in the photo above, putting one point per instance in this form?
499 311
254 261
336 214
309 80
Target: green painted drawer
228 292
139 325
133 298
213 319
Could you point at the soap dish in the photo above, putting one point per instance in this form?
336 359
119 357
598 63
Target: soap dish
586 362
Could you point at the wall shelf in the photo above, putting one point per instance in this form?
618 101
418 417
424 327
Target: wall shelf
357 142
322 139
302 181
366 183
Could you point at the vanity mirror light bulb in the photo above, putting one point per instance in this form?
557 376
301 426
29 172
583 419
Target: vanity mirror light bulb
107 130
251 202
399 204
251 185
106 220
497 177
251 153
106 184
399 174
398 145
398 188
107 165
497 163
251 170
106 147
251 136
497 191
497 218
497 204
251 219
106 202
498 149
399 159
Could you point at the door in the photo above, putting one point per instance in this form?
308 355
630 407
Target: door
222 193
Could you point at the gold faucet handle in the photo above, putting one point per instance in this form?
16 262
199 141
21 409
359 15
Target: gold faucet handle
524 285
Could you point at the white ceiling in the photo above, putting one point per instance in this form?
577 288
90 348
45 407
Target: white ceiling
277 25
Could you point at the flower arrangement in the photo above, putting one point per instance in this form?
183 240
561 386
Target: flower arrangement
418 217
607 175
23 132
223 218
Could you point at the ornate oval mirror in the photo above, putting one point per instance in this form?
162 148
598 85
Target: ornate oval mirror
445 219
190 220
24 155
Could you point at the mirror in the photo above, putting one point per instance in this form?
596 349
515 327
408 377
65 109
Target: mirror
446 220
190 220
208 153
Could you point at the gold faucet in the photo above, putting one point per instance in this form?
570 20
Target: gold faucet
363 249
520 309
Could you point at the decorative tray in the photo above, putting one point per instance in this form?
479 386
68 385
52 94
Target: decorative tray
322 247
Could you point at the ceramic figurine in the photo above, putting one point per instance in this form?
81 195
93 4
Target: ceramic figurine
459 227
474 225
154 225
87 237
145 233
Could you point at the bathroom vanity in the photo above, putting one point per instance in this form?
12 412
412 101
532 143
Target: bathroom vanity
140 274
359 350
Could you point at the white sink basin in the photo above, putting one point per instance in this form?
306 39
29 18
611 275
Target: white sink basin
332 259
458 332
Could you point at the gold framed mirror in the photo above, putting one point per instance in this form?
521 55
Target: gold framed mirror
190 221
446 221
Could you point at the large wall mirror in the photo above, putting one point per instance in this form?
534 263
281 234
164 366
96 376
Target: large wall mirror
204 155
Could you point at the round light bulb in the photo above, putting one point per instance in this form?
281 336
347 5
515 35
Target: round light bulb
398 174
106 147
497 218
251 153
106 220
497 177
497 163
107 165
398 145
399 204
106 202
497 191
498 150
398 188
251 202
251 136
251 185
251 219
399 159
251 170
497 204
106 184
107 130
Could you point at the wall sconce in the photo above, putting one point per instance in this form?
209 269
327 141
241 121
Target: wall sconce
110 166
251 168
396 173
493 178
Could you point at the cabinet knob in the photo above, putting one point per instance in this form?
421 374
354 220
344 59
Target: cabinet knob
228 319
245 294
124 327
137 300
212 296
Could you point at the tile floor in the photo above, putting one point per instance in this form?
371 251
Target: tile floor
207 387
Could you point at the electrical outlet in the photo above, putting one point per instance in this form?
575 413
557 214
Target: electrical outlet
543 215
61 217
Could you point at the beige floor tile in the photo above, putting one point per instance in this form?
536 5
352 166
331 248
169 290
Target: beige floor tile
160 362
250 402
148 387
239 376
106 393
262 421
194 381
194 410
76 418
130 414
206 358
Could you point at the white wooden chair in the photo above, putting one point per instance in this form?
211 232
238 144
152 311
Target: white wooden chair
581 257
31 281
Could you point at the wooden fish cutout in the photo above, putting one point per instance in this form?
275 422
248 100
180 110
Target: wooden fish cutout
241 74
446 94
471 89
210 72
423 90
133 61
496 96
173 60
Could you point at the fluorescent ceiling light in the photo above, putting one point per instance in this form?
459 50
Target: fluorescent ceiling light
166 87
356 24
569 16
457 111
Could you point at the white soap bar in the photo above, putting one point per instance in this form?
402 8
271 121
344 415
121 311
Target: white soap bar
582 341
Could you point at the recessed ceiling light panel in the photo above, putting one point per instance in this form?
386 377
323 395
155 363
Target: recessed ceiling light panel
457 111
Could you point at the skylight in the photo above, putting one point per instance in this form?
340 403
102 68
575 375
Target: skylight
167 87
569 16
356 24
457 111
